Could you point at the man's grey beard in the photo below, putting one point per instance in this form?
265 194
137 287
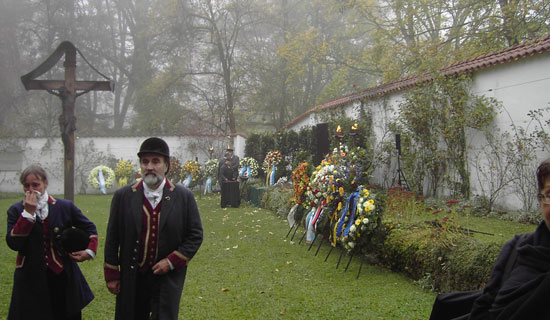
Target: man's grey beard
152 180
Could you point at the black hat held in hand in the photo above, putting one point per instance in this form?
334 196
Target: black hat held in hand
71 240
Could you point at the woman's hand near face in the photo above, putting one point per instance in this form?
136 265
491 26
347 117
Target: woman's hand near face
30 202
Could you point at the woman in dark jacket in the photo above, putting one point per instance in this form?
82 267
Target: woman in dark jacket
511 294
519 287
47 281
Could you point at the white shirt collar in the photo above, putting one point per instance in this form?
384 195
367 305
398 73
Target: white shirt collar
154 196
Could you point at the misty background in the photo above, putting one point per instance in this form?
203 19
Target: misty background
199 67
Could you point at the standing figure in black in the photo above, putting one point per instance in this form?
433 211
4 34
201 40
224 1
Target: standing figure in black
234 160
153 233
230 185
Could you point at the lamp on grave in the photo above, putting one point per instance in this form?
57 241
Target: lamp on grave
353 132
339 135
211 151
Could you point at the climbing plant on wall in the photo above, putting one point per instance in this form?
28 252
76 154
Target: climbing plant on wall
432 122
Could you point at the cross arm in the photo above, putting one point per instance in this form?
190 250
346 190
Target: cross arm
79 85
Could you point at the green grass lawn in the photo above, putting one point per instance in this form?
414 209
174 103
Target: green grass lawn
248 269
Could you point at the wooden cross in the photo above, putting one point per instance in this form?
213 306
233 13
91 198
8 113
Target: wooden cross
66 90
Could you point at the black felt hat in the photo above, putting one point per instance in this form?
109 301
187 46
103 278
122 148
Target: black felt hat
71 240
154 145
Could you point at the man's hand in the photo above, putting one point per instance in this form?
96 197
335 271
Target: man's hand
161 267
113 286
80 256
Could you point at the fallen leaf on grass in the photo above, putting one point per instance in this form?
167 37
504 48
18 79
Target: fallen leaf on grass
227 249
235 247
288 262
257 230
225 289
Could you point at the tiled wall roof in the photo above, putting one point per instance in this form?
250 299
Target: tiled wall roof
520 51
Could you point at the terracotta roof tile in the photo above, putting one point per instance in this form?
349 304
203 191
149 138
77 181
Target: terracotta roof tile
487 60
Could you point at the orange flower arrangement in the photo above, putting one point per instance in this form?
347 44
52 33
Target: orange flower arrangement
301 179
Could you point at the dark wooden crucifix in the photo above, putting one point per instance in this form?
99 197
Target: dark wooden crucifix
67 90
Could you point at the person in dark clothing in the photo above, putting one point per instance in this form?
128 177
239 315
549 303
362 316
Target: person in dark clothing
227 172
154 231
48 283
519 286
230 186
234 159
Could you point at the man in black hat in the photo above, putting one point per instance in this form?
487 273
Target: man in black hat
153 232
233 158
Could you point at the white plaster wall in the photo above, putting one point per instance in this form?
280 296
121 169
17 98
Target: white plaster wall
519 86
91 152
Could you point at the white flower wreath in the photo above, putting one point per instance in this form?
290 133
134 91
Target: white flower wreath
108 175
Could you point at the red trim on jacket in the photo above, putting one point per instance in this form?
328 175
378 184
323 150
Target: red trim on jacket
149 235
92 245
22 227
179 261
52 258
111 272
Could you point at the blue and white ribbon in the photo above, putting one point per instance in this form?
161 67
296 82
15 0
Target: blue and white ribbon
243 170
208 185
272 176
310 233
187 181
351 205
101 181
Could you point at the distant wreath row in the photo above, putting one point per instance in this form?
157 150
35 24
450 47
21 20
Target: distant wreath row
189 173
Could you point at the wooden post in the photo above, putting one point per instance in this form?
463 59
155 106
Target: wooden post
67 92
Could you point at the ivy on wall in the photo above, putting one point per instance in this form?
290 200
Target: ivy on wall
432 122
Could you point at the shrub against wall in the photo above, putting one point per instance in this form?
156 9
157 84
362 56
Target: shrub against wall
277 198
292 145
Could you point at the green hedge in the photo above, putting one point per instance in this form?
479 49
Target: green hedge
442 260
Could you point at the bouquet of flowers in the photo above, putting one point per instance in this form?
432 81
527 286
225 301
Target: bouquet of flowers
175 174
124 170
358 220
272 158
248 167
191 171
211 168
300 178
321 185
352 166
101 177
210 172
